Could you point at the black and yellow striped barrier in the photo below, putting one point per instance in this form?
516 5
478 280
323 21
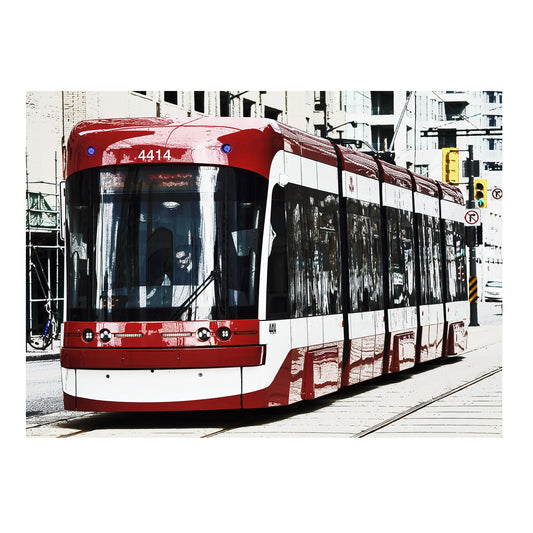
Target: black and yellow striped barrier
472 293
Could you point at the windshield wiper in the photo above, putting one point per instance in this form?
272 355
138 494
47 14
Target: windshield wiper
194 295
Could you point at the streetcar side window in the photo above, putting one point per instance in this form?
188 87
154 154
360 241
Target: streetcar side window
313 252
80 221
326 258
365 265
454 233
297 274
402 291
277 283
430 260
422 253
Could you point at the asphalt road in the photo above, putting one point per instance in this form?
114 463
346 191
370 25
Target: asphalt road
43 387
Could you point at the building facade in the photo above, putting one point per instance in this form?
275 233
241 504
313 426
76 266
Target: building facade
414 125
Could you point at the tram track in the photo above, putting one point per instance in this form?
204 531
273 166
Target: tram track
423 405
377 427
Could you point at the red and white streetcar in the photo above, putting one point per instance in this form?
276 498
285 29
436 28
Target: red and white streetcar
234 263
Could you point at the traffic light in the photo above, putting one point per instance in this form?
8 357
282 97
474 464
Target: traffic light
480 193
450 165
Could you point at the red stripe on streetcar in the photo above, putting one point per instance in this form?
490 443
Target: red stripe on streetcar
208 357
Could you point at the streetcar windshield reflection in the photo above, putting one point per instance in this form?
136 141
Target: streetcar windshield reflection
142 239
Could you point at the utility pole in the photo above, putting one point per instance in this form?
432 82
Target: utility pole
397 129
472 281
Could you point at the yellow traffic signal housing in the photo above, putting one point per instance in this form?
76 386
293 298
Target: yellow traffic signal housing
450 165
480 193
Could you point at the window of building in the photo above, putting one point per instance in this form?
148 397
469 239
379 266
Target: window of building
493 121
440 111
422 170
382 102
454 110
140 92
225 104
247 107
199 101
493 144
382 137
271 112
320 100
493 97
410 137
491 165
422 107
447 138
171 97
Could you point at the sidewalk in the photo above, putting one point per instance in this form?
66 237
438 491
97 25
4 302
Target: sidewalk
51 353
479 336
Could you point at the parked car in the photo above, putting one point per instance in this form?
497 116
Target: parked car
493 291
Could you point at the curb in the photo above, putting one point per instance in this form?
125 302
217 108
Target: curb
44 357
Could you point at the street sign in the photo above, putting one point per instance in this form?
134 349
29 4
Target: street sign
471 168
472 217
472 289
497 193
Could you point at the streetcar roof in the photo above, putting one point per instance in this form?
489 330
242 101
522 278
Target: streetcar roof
227 141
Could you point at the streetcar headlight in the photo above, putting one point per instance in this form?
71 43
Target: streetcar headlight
105 335
88 335
224 334
203 334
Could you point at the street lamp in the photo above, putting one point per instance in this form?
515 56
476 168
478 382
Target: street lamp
232 96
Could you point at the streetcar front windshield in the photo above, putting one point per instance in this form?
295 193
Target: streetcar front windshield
164 242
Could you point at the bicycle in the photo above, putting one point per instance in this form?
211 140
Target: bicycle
41 341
